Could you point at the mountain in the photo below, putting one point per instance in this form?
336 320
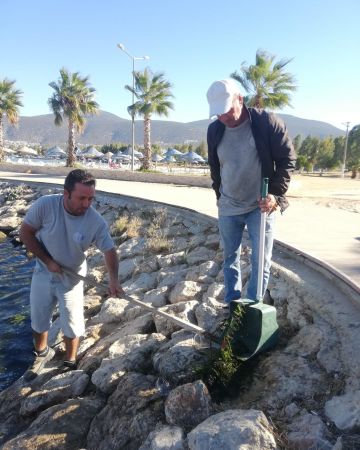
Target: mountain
106 128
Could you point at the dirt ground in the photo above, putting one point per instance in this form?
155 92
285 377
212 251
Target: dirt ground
326 190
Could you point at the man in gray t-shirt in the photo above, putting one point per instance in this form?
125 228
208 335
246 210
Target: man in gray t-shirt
58 229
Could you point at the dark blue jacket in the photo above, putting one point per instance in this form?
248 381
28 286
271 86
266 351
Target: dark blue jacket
274 146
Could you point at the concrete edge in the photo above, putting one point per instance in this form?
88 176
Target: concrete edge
346 284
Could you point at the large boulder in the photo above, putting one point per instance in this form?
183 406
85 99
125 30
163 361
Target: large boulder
165 438
183 310
233 429
59 427
130 353
132 412
57 390
344 410
188 405
178 360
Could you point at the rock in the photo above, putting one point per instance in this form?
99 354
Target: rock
171 260
212 241
116 310
93 357
216 291
284 381
185 291
307 432
130 353
291 410
127 268
59 427
11 423
183 310
165 438
181 244
131 413
188 405
344 410
9 223
89 338
204 273
210 314
141 283
92 305
172 275
95 260
2 236
57 390
328 356
179 359
156 297
147 264
199 255
307 341
233 429
132 247
196 241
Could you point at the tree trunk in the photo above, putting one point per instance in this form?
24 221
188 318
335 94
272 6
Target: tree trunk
71 159
2 154
147 143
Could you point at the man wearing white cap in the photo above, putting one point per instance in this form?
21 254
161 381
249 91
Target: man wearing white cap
244 146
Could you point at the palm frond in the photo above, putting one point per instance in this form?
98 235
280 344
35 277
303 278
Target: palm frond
265 82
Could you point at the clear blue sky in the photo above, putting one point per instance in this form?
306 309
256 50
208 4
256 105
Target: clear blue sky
194 42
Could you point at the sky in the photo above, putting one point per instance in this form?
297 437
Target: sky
194 42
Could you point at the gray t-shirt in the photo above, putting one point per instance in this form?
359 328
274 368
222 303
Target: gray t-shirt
67 237
240 171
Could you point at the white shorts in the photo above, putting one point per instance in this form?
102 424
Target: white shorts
49 289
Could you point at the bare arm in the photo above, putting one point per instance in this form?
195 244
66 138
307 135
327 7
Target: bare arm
27 236
112 265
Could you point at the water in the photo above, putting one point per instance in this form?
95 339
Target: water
15 331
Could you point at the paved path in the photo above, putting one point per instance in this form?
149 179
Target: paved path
328 234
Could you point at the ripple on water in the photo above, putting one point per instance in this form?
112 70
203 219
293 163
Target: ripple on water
15 329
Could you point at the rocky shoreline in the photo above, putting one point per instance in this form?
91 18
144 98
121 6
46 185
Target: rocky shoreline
138 384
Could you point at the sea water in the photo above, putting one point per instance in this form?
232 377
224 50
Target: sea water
15 330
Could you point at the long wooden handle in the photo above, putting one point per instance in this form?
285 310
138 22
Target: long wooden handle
182 323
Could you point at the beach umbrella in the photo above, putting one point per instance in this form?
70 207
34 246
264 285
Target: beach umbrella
156 157
109 154
172 152
128 151
168 159
27 150
55 151
8 150
92 152
192 156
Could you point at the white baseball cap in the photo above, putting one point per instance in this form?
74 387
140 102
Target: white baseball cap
220 96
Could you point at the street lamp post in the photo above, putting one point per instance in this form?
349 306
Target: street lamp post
133 58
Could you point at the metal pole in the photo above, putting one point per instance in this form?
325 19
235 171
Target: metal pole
345 150
133 58
133 119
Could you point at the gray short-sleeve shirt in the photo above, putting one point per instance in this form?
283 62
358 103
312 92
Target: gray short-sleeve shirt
67 237
240 171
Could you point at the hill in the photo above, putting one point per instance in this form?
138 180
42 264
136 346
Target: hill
106 128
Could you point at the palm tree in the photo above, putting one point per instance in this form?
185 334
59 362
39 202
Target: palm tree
9 107
266 82
73 98
152 92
